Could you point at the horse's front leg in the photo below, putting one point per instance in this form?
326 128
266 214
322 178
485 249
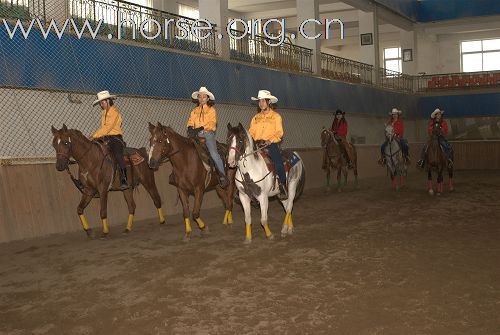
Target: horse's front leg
440 182
183 195
264 204
245 202
450 175
198 199
429 182
328 169
339 174
80 209
104 212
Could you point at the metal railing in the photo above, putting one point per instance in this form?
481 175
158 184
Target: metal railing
284 57
131 17
22 9
395 80
344 69
457 80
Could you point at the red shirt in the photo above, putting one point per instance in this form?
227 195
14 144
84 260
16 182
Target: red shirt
444 127
339 127
398 126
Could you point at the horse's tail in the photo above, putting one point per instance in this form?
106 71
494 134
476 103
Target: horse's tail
302 180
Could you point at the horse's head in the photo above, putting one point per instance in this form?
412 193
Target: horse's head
62 144
236 142
159 145
326 137
389 132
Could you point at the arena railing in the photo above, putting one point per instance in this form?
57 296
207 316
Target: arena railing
286 56
344 69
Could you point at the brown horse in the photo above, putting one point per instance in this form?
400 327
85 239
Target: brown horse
97 175
436 160
334 159
189 174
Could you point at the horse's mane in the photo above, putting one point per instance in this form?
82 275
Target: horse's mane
78 133
184 139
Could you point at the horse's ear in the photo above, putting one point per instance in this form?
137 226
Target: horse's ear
323 128
151 127
240 125
64 127
159 124
229 127
54 130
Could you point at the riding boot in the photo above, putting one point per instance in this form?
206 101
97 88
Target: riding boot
381 161
123 179
283 192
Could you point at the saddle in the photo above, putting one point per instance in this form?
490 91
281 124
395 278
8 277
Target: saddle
131 156
204 154
288 157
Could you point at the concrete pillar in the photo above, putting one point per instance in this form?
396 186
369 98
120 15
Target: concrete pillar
408 42
370 54
306 10
216 11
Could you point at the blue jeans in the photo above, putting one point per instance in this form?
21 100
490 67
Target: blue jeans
212 149
275 154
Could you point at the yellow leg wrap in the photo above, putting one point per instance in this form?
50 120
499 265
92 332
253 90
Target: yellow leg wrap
160 215
249 231
230 218
267 230
105 228
286 218
130 221
200 223
188 225
84 222
290 222
225 217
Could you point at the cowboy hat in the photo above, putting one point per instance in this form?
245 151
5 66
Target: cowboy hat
436 111
338 111
203 90
103 95
265 94
395 111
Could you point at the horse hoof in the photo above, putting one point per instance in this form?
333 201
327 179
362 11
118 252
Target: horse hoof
104 236
431 192
438 194
339 190
247 240
290 231
270 237
328 189
205 231
452 189
162 222
90 234
126 231
186 238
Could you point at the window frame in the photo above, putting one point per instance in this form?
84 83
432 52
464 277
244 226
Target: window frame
481 52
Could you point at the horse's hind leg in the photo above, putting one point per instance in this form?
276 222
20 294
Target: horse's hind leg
450 175
81 207
440 182
339 176
287 228
129 198
227 197
185 211
148 181
198 199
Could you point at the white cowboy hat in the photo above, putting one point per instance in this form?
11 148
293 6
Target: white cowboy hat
103 95
395 111
203 90
265 94
436 111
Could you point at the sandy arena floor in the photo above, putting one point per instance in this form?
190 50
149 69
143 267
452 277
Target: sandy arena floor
367 261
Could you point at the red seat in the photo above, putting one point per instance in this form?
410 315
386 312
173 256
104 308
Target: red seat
455 81
431 84
465 80
476 80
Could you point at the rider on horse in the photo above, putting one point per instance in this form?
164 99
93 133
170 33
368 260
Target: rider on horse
266 126
339 129
398 126
111 132
438 122
203 122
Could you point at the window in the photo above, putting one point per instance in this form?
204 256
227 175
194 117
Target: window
392 59
481 55
188 11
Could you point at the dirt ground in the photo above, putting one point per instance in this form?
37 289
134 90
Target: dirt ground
366 261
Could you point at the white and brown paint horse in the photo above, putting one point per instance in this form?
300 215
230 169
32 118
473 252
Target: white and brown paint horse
254 180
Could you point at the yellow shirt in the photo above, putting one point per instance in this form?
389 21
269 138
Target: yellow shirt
203 116
111 123
267 127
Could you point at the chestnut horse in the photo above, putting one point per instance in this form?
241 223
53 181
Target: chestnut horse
97 175
334 159
436 160
189 174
